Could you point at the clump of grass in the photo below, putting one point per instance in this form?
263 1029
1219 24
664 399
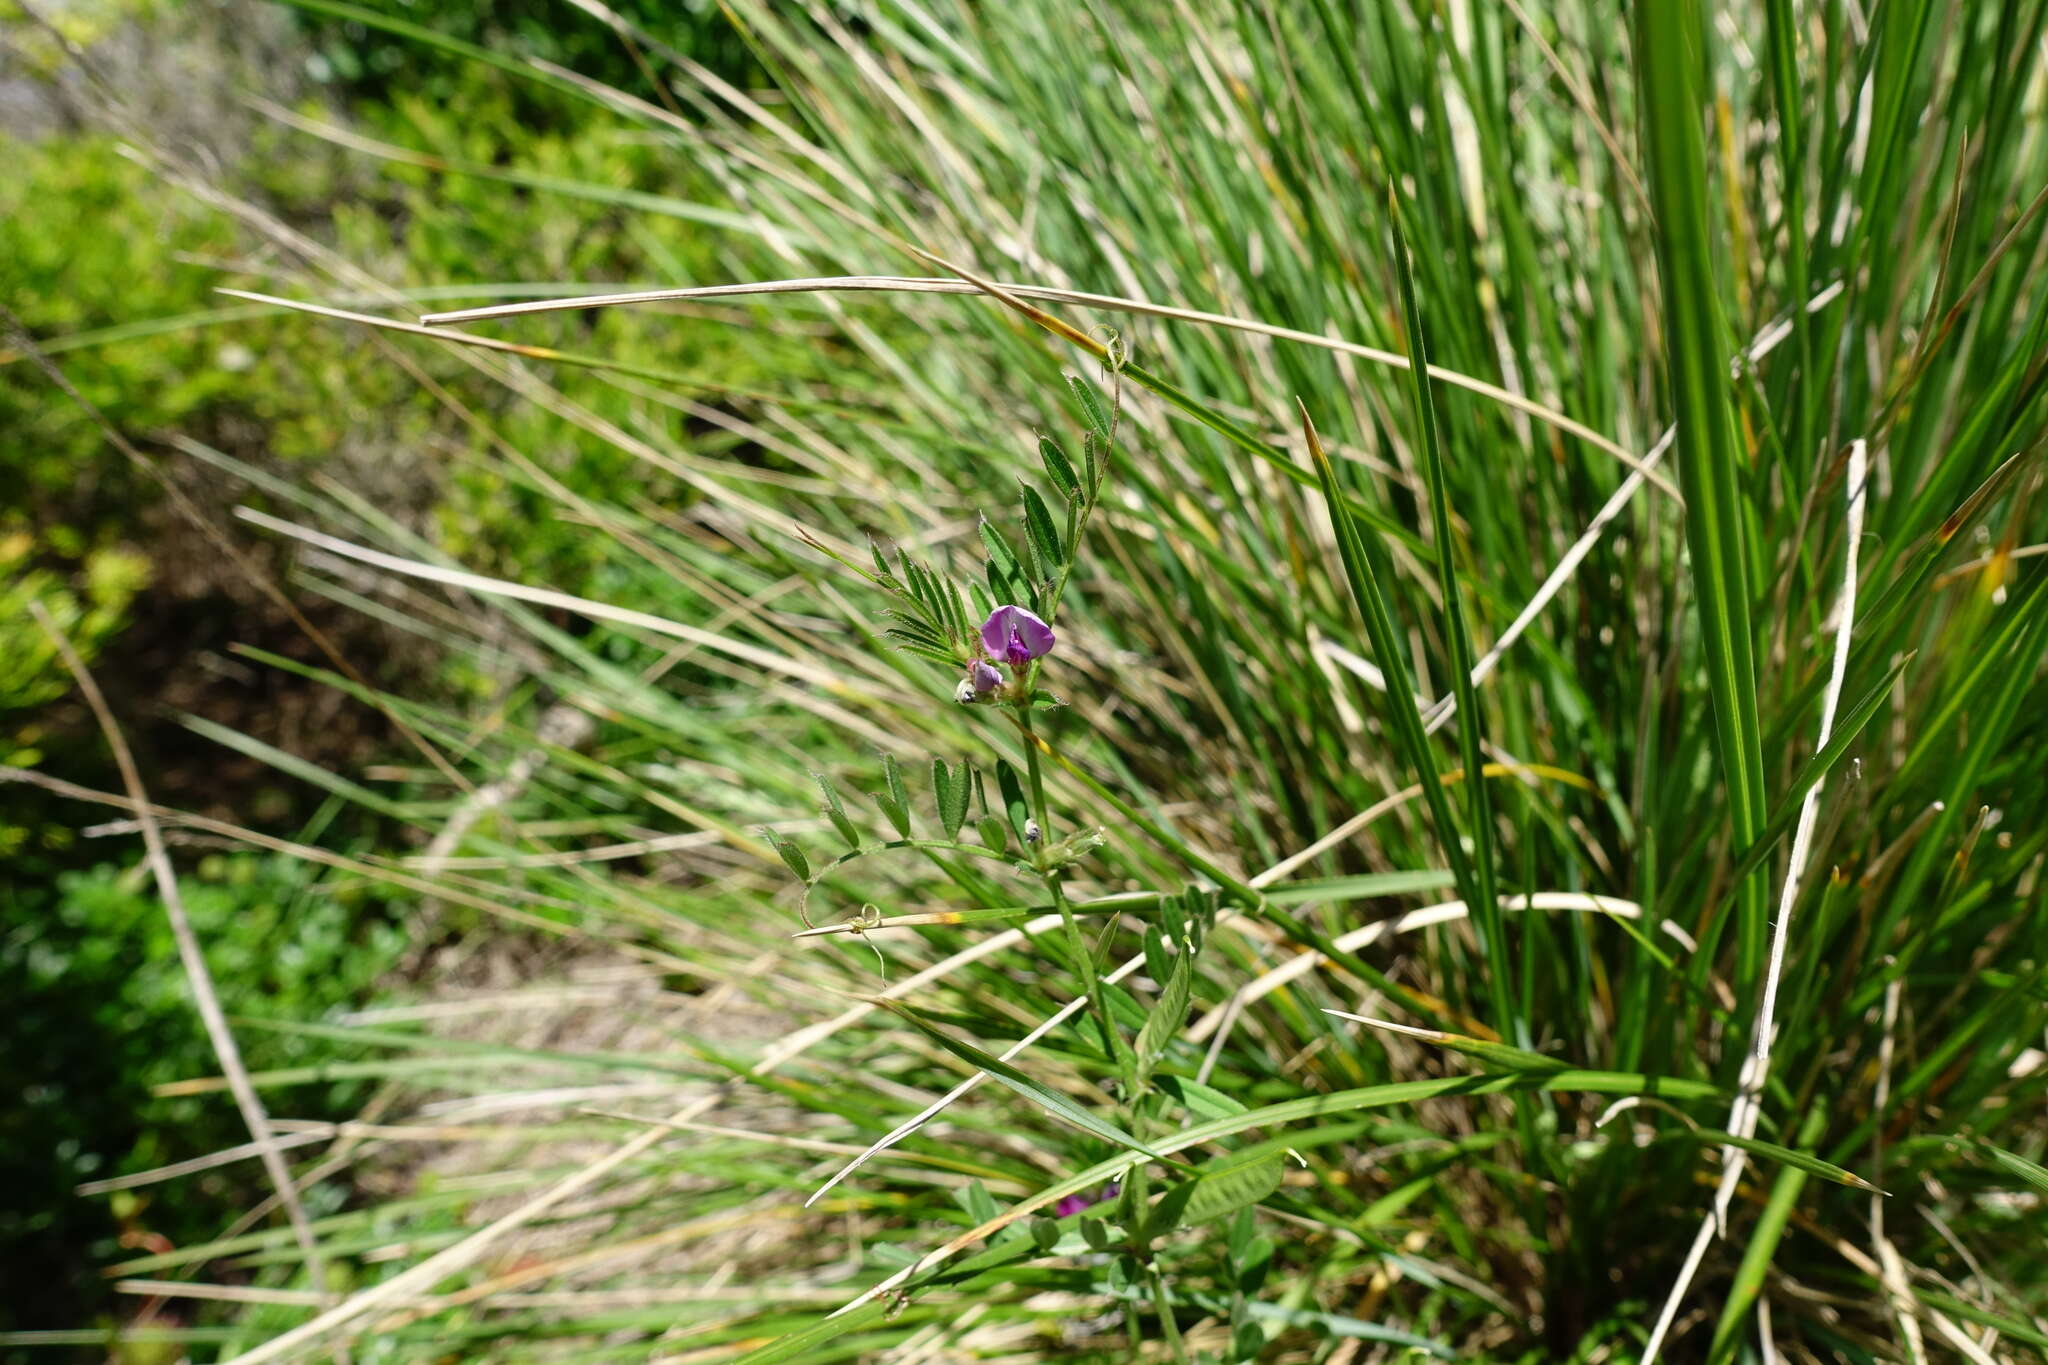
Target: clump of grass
1264 634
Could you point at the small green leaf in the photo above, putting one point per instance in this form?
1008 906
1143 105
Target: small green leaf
844 826
1243 1229
1007 587
994 833
1037 568
893 799
978 1202
1158 962
1233 1185
1014 804
836 813
831 792
1203 1102
1058 468
1252 1263
926 652
956 609
917 583
1090 404
1173 918
916 630
1223 1187
1168 1213
1045 1233
1001 557
792 856
1095 1233
898 817
1044 531
1163 1025
1060 1106
951 795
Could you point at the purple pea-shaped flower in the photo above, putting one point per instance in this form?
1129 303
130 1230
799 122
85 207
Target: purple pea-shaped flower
1015 636
1075 1203
982 679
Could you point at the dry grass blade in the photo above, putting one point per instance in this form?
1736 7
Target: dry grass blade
472 1248
1447 912
1044 924
546 597
1743 1114
227 1156
1567 565
204 996
912 284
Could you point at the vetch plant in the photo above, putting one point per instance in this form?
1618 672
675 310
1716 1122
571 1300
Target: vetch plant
1570 525
1003 658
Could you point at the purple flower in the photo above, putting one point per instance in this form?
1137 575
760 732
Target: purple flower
1076 1203
1014 636
982 679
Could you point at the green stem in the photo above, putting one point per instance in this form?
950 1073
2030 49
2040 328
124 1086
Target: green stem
1088 504
1167 1325
1076 943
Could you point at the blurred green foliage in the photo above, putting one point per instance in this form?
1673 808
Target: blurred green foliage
88 244
89 604
113 269
369 62
100 1012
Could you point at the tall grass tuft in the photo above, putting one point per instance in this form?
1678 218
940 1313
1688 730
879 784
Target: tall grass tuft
1365 910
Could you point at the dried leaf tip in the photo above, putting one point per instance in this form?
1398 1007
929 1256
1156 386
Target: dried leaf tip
1309 433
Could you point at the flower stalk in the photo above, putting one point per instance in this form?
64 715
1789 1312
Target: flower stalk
1051 874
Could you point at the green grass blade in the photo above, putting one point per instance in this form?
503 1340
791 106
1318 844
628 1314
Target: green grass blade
1481 897
1029 1087
1671 62
1403 711
2032 1172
